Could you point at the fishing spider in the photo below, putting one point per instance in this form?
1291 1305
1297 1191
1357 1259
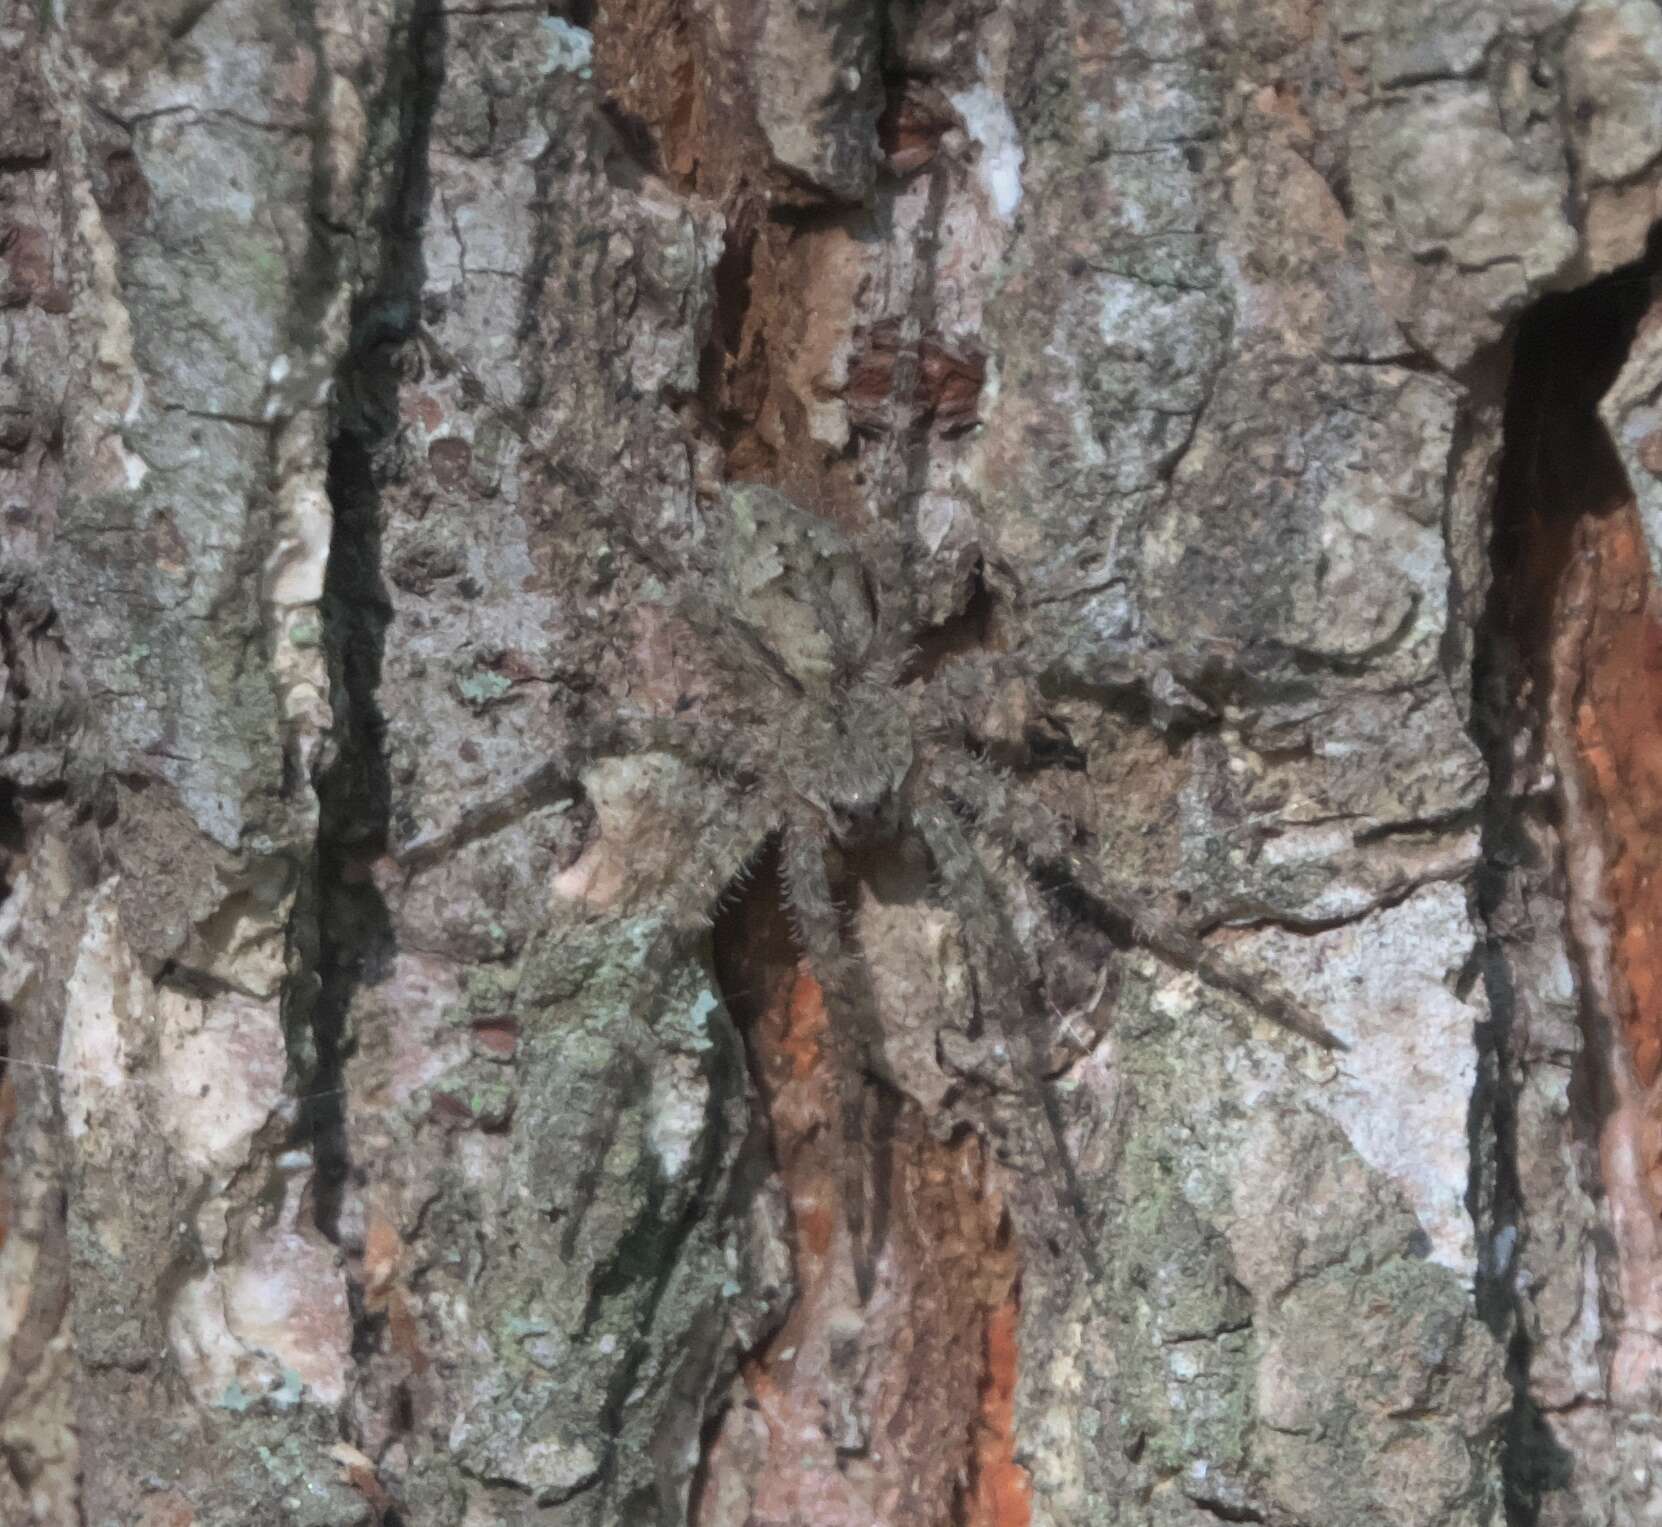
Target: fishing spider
837 750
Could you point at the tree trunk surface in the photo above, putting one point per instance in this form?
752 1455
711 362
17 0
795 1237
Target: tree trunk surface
830 765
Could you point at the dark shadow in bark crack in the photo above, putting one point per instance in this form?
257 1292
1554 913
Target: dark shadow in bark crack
1558 466
353 929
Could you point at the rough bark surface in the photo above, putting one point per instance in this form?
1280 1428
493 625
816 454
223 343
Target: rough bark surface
817 763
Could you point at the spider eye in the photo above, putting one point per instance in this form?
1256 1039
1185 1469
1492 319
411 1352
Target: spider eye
856 816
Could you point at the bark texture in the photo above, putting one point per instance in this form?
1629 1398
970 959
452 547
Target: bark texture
462 1064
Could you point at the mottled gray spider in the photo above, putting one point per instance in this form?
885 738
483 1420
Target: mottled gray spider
840 751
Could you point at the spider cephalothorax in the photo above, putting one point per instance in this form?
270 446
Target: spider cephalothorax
797 611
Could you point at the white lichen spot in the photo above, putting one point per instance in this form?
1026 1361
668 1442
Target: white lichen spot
675 1115
293 583
294 570
135 467
569 48
276 1323
704 1006
1403 1091
106 992
988 121
135 403
1632 411
936 514
222 1066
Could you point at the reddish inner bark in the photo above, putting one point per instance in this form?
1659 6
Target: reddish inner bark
1003 1492
1618 723
1585 619
929 1363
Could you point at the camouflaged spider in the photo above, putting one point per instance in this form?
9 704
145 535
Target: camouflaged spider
840 754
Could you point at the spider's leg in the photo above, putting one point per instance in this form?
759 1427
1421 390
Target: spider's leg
697 740
557 778
669 965
540 786
962 683
856 1040
1003 987
892 633
1041 841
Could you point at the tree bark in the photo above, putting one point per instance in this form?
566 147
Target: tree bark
821 764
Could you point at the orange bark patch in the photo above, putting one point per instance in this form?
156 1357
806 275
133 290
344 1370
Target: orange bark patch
647 57
910 128
896 1405
384 1291
801 1043
358 1470
945 382
1003 1492
1618 724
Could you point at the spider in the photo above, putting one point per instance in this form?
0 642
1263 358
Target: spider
839 746
839 752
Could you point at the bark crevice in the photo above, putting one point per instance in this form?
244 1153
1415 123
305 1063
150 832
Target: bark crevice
1568 569
353 932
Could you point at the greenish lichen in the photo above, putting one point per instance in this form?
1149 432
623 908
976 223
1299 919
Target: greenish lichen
482 688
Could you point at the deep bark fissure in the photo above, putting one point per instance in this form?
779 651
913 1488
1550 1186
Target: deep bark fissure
353 928
1561 494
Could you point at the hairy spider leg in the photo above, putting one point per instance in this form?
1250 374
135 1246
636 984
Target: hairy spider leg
892 636
714 746
699 740
541 785
856 1037
939 706
694 738
678 939
1005 992
1042 843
